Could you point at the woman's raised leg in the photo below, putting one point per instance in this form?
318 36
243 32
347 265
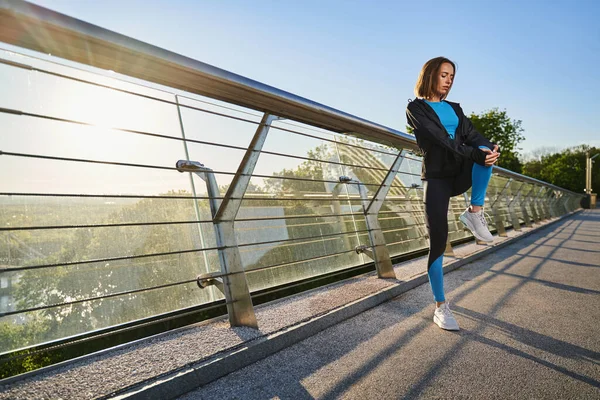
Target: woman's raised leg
481 176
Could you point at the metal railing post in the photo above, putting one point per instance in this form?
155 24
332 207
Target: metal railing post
380 252
233 282
553 202
550 203
511 208
560 205
543 201
531 201
496 212
526 219
237 293
567 205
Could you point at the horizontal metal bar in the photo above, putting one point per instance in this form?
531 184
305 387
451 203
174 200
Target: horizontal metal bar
204 142
299 217
156 135
332 140
311 279
248 197
221 275
403 227
34 228
106 296
90 226
7 153
81 80
112 259
107 196
296 179
321 161
407 240
300 261
307 198
317 237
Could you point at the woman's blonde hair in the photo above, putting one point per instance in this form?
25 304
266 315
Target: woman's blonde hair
427 81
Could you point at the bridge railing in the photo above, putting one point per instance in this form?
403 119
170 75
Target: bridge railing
166 184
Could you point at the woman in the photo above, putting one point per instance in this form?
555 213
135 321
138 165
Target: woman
455 157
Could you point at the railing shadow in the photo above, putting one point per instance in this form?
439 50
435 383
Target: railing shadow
532 338
475 334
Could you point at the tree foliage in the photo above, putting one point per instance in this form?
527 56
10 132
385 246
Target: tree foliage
507 133
565 169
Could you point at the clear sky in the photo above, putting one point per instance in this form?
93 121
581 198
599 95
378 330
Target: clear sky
538 59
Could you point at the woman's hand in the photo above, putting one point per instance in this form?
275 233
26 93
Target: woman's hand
491 157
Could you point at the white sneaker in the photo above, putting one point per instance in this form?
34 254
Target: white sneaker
477 224
444 319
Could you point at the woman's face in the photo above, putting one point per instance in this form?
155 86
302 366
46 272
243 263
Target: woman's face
445 79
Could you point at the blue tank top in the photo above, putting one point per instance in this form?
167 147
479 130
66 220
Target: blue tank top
446 114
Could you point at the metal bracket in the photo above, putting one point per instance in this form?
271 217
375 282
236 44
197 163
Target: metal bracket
364 249
499 195
205 280
234 284
378 249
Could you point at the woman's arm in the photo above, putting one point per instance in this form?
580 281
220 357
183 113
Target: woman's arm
424 127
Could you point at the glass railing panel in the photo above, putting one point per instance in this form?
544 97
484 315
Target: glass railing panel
275 165
38 327
276 264
302 129
231 129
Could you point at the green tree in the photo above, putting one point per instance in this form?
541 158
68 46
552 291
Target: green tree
497 126
565 169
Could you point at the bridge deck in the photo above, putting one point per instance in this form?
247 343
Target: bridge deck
528 313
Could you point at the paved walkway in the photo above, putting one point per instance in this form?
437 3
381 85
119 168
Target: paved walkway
530 319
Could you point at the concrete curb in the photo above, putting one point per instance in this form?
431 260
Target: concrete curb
188 378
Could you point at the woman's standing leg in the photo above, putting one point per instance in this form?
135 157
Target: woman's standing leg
437 197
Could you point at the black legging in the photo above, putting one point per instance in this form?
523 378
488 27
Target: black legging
436 196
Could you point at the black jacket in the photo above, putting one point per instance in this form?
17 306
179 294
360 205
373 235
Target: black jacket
442 155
